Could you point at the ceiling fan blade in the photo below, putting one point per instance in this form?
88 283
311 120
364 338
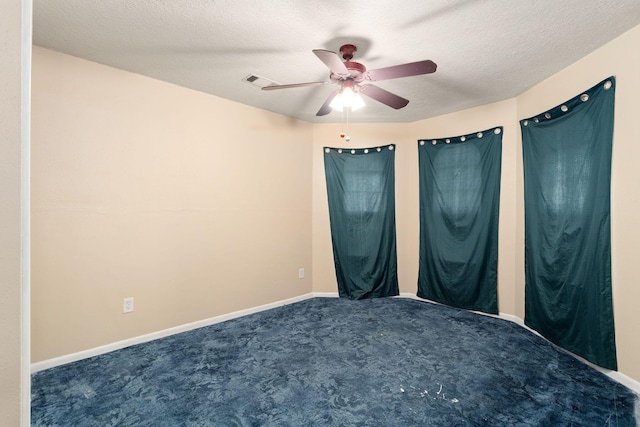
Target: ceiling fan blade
326 109
404 70
333 61
381 95
274 87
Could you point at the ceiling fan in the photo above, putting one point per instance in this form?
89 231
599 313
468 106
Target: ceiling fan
352 76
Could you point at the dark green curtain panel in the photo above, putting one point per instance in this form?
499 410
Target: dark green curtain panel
360 188
567 177
459 209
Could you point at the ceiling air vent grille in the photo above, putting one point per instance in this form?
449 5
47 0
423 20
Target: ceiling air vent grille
258 81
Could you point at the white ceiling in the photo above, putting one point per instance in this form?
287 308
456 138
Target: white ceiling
486 51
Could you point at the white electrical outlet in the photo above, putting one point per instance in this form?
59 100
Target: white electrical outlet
301 273
127 305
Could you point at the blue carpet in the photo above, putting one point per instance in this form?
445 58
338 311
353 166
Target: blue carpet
336 362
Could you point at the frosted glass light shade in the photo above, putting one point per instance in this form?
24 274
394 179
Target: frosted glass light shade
347 98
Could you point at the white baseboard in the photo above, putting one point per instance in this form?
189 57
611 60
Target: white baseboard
614 375
410 296
85 354
325 295
625 380
511 318
74 357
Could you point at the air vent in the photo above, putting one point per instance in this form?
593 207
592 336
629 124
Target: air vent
258 81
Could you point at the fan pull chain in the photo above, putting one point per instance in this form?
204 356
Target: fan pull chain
343 135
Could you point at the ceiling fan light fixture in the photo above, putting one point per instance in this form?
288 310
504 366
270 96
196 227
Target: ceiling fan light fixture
347 98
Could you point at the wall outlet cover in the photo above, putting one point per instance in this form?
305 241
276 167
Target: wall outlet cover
127 305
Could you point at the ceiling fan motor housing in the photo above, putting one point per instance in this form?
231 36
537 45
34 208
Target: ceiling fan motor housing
355 69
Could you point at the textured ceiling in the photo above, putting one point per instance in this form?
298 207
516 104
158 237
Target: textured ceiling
486 51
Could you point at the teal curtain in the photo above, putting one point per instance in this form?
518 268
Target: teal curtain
360 188
459 208
567 180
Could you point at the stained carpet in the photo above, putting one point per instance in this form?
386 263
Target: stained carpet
336 362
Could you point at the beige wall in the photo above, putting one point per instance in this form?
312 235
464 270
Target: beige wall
132 197
621 58
10 264
194 205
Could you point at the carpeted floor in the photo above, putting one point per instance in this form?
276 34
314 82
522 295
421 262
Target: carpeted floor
336 362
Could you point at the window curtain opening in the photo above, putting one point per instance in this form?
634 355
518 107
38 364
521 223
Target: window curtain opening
361 196
567 180
459 209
